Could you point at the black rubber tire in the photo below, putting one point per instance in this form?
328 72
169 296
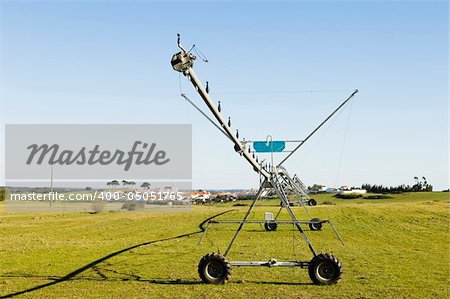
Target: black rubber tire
270 226
315 226
214 268
325 269
312 202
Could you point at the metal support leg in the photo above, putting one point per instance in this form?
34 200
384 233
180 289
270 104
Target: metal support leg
279 211
336 233
203 235
283 197
258 195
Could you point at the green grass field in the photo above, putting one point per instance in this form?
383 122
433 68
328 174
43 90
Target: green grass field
394 248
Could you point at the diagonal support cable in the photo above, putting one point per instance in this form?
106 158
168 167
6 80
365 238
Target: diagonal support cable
205 115
319 126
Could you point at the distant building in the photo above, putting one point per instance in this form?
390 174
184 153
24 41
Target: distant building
331 190
353 191
201 195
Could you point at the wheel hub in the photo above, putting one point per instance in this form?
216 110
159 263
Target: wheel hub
214 270
326 271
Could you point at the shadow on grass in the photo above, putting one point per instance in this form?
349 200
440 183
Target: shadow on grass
92 265
161 281
98 279
74 275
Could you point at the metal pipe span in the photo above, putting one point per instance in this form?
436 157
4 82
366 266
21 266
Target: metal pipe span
238 146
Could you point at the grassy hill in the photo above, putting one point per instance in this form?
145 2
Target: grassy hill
395 247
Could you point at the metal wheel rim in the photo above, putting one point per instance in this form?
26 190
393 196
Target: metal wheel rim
214 270
271 226
325 271
316 226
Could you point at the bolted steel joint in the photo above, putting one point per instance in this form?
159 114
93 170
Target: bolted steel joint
182 61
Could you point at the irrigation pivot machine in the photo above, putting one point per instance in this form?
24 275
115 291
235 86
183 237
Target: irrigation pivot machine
215 268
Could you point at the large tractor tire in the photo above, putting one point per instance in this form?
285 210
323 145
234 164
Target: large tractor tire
214 268
325 269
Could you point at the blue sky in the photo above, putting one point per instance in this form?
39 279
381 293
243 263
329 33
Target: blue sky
109 62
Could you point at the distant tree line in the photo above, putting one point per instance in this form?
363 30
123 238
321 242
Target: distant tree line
115 183
421 185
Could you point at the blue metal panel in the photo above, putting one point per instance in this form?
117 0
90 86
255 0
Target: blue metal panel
269 147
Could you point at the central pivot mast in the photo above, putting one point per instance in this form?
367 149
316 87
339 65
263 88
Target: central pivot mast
183 62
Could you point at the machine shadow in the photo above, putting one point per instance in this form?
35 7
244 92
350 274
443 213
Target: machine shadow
98 279
161 281
92 265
